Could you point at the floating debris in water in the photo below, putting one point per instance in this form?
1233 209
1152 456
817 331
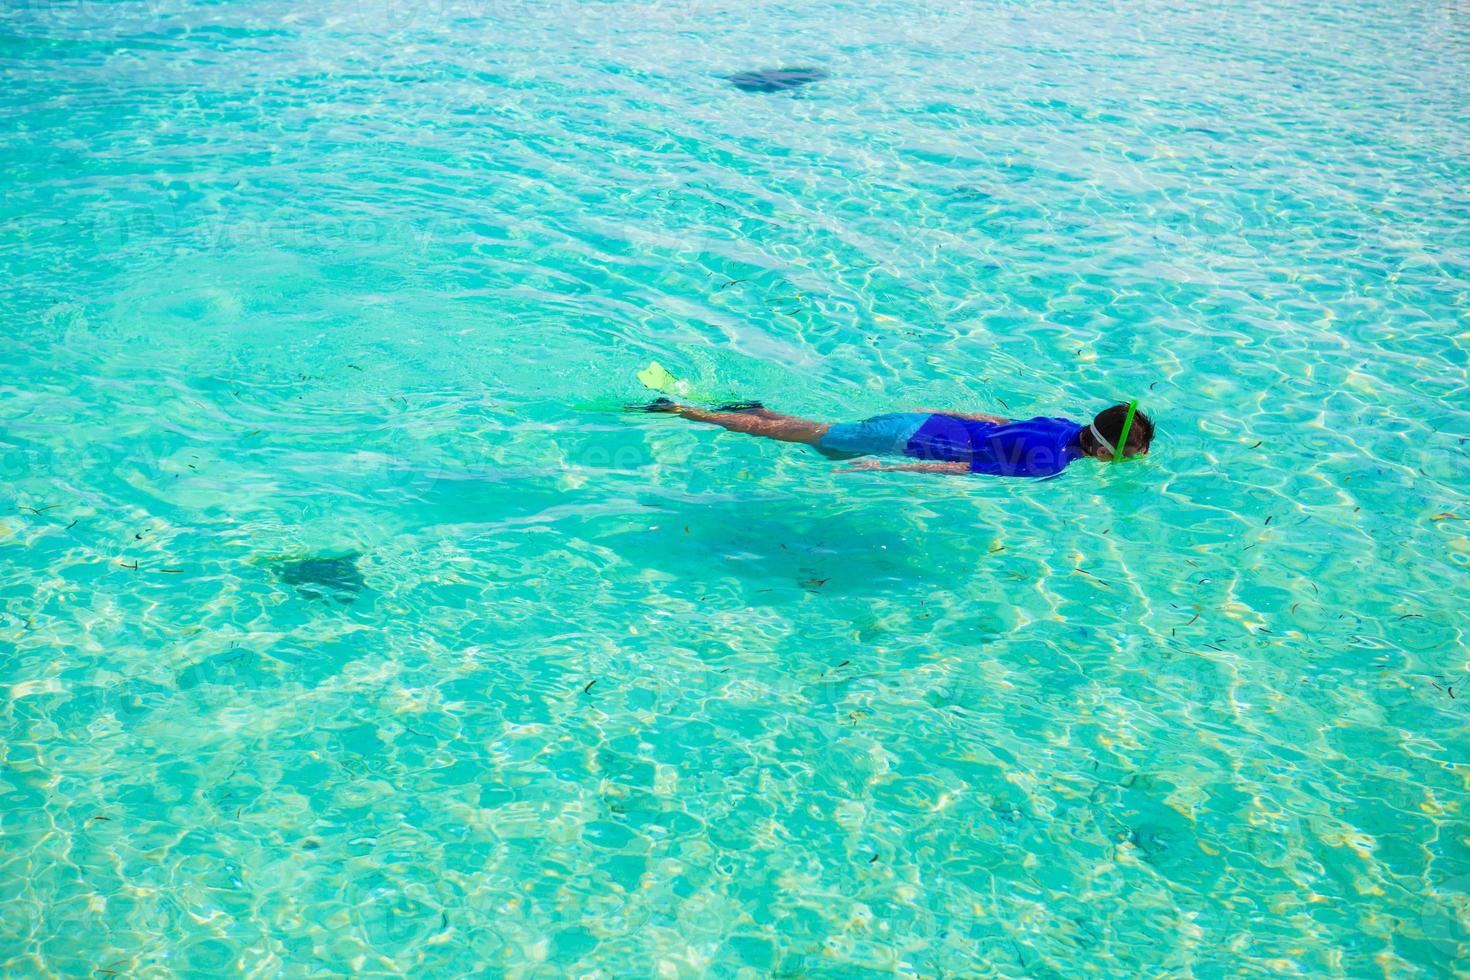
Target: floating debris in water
336 578
775 79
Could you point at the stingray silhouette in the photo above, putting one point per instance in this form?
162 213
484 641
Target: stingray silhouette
321 577
775 79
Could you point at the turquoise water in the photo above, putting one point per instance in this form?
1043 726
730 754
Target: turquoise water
333 640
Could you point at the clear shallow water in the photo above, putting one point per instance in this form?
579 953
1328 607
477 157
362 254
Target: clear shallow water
622 695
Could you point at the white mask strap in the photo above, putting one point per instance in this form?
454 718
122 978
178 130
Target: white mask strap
1098 436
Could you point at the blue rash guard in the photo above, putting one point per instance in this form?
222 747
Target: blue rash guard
1039 447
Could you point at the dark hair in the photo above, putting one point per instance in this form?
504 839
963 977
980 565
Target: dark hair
1109 424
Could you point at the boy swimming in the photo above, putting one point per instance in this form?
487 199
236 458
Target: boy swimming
943 442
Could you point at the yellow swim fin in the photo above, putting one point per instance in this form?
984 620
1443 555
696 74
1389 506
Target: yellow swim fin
654 376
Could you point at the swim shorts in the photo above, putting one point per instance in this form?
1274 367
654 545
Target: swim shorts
881 435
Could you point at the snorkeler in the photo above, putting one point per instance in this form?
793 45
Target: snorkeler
943 442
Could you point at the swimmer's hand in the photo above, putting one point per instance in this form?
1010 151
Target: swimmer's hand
873 464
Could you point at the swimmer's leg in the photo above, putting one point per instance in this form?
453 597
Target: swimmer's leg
759 422
761 412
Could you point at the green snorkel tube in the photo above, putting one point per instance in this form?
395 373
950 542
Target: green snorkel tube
1118 456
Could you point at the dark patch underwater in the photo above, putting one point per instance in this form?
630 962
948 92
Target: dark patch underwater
775 79
327 578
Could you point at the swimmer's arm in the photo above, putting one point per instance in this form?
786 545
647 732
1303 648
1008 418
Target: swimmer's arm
873 464
970 416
